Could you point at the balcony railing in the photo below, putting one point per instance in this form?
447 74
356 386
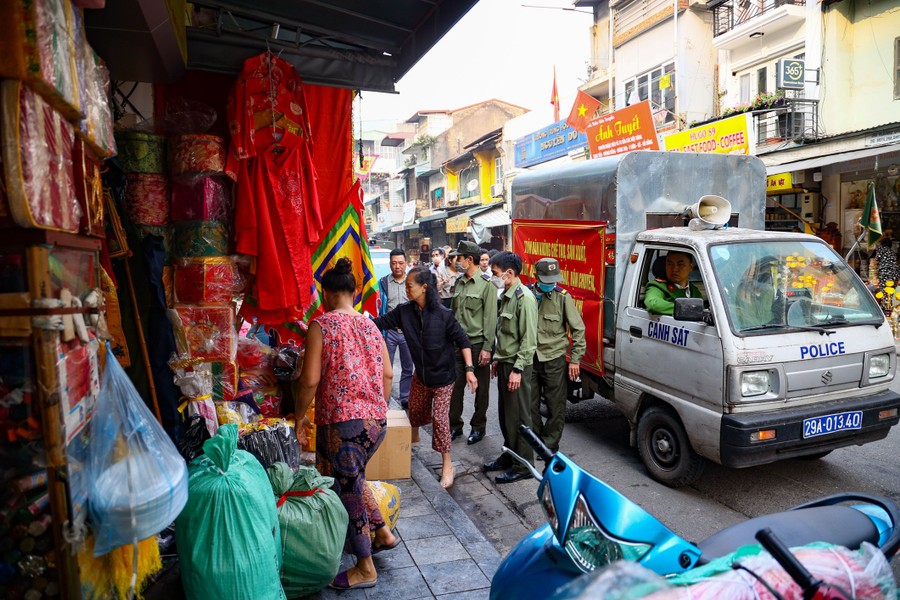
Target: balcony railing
732 13
795 119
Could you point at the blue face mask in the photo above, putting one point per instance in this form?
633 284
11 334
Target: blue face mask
546 287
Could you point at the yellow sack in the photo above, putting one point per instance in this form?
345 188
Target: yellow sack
109 576
387 497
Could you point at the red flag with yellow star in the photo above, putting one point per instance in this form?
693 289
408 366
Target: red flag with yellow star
582 111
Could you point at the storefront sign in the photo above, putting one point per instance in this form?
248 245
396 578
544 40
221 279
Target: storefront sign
728 136
458 224
881 139
576 245
779 183
630 128
409 212
547 143
790 74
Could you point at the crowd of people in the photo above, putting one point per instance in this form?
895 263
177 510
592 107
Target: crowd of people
458 323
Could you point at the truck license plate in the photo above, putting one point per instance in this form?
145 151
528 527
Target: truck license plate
832 423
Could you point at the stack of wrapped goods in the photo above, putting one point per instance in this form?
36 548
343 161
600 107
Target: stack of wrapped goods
55 131
205 278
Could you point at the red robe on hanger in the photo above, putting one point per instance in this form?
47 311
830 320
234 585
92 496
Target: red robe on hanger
277 215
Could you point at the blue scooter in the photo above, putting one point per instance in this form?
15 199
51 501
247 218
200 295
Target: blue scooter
590 524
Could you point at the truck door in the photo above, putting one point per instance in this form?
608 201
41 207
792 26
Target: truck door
678 362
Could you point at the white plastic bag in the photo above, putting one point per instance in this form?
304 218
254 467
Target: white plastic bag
138 479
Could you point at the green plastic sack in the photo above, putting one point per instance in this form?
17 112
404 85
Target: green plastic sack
229 543
313 528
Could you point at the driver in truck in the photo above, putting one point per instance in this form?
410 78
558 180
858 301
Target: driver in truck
661 293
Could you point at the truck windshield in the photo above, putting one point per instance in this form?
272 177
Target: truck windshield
773 286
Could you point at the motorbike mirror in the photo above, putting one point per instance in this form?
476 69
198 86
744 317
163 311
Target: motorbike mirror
534 472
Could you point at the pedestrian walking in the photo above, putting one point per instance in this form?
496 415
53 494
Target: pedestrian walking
557 321
347 370
392 289
445 278
513 356
431 331
475 307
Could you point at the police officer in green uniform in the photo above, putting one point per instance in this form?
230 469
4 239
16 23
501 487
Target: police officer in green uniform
557 320
660 296
513 356
475 306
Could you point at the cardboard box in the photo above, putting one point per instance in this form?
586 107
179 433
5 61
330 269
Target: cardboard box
393 458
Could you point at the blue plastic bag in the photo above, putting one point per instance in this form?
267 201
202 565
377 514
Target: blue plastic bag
138 480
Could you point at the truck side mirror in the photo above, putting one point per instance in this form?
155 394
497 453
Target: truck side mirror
690 309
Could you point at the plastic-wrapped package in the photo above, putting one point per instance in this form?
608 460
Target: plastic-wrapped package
864 573
236 413
96 129
147 198
184 116
206 281
387 497
313 528
138 480
229 541
225 380
37 45
195 381
37 161
271 441
201 238
141 151
198 154
205 332
253 355
89 189
201 197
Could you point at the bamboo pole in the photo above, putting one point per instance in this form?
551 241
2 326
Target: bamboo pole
142 341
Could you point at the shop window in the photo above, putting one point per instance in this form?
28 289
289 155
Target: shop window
658 85
745 88
498 170
761 78
468 183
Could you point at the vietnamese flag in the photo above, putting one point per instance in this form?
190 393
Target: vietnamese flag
582 111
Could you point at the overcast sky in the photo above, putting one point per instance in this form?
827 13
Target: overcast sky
499 49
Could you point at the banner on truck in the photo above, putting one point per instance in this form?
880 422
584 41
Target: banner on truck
576 245
624 130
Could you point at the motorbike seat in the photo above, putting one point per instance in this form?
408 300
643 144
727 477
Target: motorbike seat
839 525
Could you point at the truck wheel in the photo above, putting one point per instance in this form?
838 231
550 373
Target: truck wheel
665 450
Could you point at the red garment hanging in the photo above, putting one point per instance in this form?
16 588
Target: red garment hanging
277 213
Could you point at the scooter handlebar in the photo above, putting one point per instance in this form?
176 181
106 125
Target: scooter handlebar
535 442
788 561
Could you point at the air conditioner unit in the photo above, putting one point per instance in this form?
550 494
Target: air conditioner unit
497 190
452 197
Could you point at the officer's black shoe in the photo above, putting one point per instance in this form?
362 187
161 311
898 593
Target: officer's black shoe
456 433
475 437
511 476
501 464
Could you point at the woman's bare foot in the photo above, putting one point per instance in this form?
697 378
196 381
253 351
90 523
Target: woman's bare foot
447 473
360 574
447 476
414 435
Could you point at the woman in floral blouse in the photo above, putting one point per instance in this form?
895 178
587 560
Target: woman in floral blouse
346 368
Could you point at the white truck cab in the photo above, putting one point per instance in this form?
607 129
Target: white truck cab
785 354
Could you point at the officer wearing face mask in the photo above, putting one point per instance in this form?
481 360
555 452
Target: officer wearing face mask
558 320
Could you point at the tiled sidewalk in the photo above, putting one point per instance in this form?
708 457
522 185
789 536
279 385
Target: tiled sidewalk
442 554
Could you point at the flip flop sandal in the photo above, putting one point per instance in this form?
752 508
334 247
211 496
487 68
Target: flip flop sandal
342 582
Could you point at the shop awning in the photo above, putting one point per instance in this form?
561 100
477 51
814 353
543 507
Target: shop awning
824 158
482 222
399 228
341 43
496 217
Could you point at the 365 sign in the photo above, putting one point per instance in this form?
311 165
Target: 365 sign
790 74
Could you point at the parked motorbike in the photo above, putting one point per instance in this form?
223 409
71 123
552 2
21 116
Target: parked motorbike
590 525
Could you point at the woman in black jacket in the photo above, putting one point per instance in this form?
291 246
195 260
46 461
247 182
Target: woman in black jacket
431 331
